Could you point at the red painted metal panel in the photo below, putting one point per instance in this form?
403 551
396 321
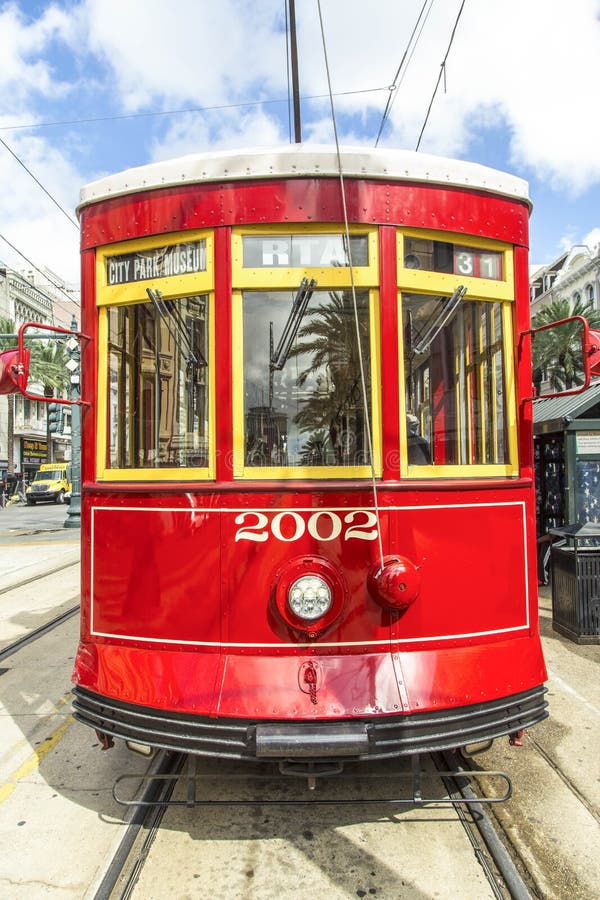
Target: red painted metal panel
390 385
159 569
223 388
252 686
155 575
304 200
472 564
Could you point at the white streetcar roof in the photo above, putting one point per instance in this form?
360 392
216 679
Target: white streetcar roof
305 160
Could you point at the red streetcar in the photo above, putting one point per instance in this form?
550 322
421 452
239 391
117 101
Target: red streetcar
308 512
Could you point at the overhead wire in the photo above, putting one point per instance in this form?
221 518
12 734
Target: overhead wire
40 271
353 289
442 73
132 116
395 86
175 112
39 183
19 252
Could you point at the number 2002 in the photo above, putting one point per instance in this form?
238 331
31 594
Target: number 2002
323 525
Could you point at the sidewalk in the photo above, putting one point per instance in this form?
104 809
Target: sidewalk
23 565
33 542
554 814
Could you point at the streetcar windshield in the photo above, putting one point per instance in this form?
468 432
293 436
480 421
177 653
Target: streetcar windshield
311 412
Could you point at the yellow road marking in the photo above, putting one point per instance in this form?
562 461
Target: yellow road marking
33 762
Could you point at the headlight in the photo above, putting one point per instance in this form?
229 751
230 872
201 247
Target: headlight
309 597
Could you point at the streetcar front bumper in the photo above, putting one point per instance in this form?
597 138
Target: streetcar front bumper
361 739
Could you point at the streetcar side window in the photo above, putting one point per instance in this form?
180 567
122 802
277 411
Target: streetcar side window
458 404
155 419
158 384
455 382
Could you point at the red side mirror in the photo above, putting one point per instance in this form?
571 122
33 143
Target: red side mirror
593 351
14 371
570 350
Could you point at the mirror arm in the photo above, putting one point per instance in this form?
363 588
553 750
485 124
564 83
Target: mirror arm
589 353
21 346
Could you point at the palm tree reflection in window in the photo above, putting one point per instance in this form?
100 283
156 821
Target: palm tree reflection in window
316 414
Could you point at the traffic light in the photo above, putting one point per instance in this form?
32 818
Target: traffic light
55 418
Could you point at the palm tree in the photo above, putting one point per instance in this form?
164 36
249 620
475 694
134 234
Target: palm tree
47 367
557 352
335 407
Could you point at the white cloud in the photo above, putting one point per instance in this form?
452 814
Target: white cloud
592 239
524 70
193 50
529 69
198 133
23 69
30 220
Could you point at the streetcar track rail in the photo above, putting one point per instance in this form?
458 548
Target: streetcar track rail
510 876
38 577
146 812
37 633
127 861
564 778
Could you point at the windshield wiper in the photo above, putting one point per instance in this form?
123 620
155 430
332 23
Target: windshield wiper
437 321
280 355
181 337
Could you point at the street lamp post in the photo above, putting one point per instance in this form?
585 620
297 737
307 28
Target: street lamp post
73 519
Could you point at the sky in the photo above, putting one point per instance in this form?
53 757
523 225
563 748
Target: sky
94 87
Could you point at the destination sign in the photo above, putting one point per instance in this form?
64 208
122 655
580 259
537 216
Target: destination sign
304 250
159 262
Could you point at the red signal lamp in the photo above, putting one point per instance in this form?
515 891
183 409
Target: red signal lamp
395 584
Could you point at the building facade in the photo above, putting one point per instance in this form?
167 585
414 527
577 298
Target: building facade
30 296
575 275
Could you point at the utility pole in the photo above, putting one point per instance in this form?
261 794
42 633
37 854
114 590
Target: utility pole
48 392
294 63
73 519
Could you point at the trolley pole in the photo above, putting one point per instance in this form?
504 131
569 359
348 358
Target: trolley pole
295 82
73 519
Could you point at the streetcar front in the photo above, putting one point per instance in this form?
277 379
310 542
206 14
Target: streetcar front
307 484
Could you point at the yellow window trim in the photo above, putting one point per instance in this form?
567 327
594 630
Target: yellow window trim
419 280
103 471
465 471
173 285
280 278
511 387
156 475
290 472
305 473
479 471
